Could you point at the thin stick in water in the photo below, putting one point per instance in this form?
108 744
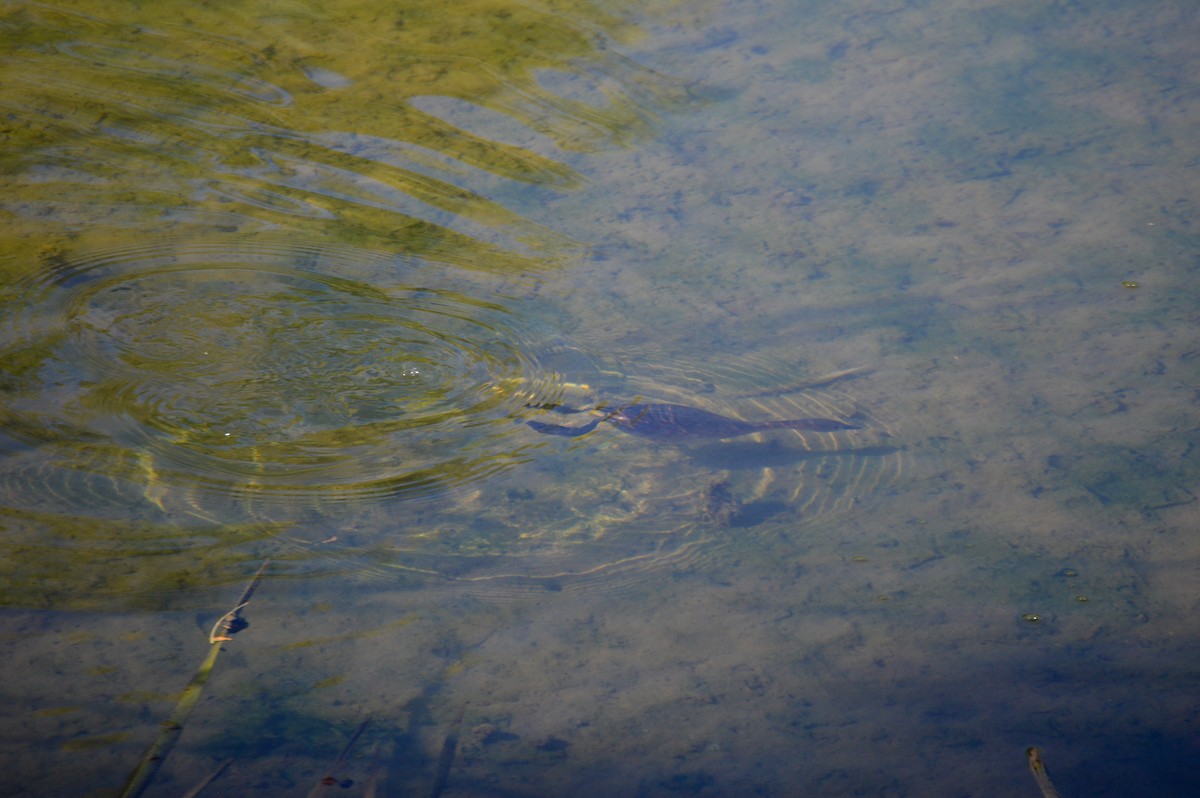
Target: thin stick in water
232 621
209 779
446 758
158 751
1038 767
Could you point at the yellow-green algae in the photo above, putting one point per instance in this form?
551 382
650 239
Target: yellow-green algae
170 113
50 560
175 126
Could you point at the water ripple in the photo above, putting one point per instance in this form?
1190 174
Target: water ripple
236 119
270 367
215 82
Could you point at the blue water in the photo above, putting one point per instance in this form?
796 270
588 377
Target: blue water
286 283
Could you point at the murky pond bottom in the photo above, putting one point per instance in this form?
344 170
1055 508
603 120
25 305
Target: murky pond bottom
795 657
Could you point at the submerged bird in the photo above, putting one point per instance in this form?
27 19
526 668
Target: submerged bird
679 422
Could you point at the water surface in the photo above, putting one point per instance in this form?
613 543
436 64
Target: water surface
285 281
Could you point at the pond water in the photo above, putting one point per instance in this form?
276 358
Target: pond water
303 284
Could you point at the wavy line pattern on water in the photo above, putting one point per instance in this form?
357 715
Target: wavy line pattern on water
261 367
255 117
258 361
229 289
818 476
348 374
607 510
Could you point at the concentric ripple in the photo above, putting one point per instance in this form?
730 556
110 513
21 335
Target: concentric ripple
244 397
818 476
273 368
606 510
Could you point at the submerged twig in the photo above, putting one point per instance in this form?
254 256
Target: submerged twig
232 622
446 758
140 779
209 779
158 751
1038 767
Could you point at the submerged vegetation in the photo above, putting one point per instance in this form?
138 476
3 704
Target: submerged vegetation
254 115
264 248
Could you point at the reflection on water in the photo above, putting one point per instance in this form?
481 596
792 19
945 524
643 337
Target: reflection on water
247 396
289 114
285 279
252 382
256 280
258 301
250 368
262 296
598 511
